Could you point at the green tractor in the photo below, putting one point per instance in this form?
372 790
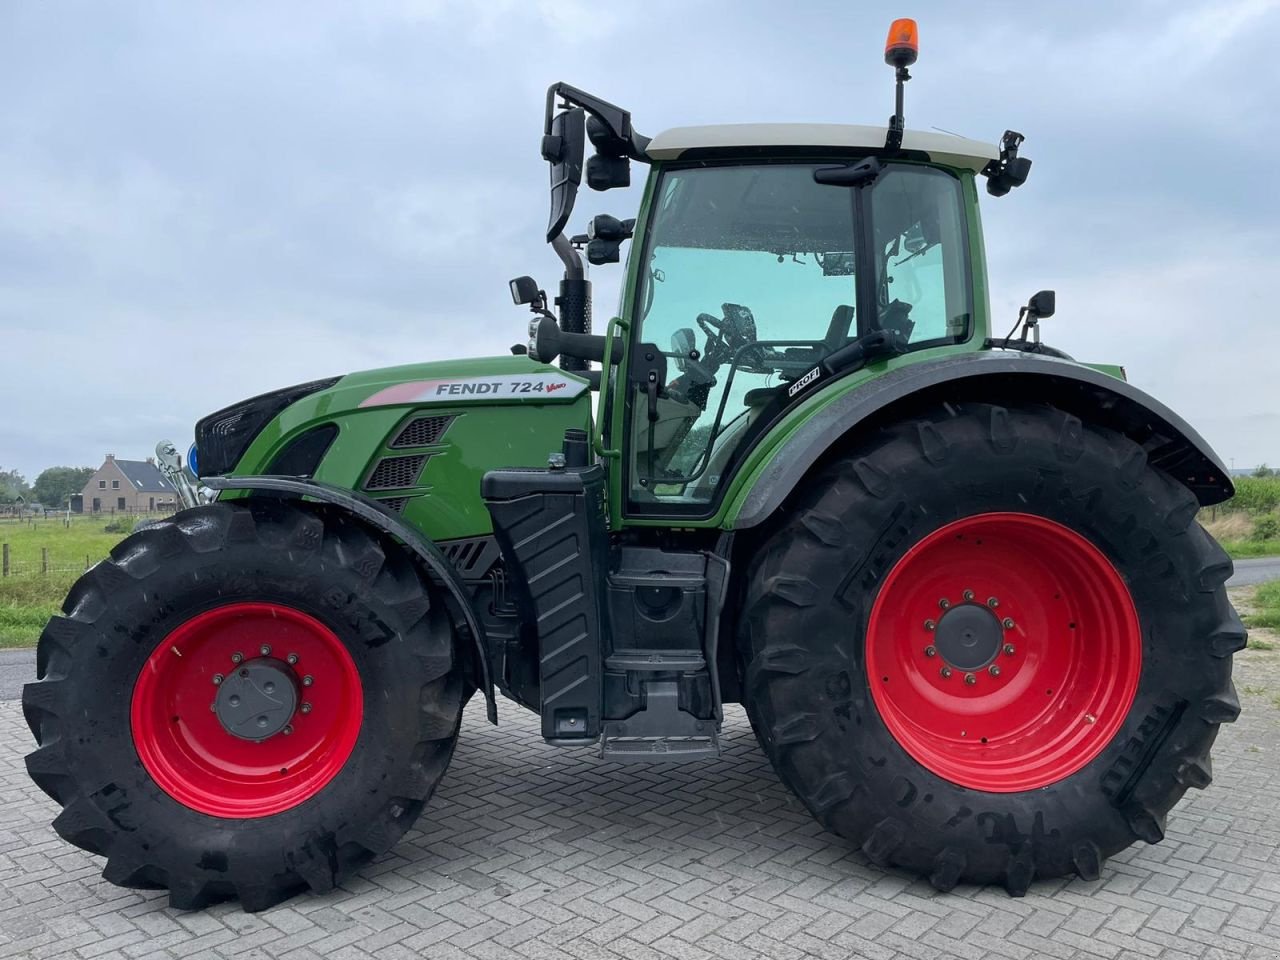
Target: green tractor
955 579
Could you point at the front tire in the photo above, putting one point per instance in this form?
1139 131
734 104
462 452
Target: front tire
248 700
991 645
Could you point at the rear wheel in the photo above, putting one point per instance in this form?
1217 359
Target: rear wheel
991 644
248 700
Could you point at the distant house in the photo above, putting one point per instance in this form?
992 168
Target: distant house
127 486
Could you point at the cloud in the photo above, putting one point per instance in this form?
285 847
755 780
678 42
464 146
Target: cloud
199 202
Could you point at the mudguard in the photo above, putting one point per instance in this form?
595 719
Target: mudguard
1171 443
441 571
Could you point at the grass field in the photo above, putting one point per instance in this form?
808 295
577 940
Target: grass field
1266 602
27 597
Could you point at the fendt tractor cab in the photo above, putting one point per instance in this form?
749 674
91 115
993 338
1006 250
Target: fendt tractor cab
955 579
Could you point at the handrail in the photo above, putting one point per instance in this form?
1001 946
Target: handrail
597 441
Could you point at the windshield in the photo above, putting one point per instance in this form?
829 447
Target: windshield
752 278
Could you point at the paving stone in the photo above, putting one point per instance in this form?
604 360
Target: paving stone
534 851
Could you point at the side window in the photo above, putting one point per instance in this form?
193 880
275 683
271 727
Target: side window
917 218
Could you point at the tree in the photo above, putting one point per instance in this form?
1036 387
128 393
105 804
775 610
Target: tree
1264 471
55 484
12 486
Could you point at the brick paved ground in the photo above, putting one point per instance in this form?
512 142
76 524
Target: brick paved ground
533 851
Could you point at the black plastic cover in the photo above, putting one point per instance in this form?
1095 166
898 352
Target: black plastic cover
550 525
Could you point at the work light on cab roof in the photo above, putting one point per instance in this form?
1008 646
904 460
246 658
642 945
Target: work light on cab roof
814 481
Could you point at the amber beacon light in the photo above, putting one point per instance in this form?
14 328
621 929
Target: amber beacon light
903 44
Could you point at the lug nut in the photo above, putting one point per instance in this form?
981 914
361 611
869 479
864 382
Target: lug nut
1008 649
308 680
931 651
994 670
292 659
306 708
946 672
237 657
1008 623
930 625
1090 718
944 603
217 679
970 679
287 730
992 602
968 594
265 650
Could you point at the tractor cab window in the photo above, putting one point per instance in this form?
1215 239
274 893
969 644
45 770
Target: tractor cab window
752 277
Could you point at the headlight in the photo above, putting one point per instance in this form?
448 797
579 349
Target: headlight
223 437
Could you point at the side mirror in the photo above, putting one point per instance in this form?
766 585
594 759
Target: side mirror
1042 304
525 290
563 148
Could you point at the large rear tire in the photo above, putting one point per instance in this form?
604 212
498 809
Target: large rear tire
246 701
990 645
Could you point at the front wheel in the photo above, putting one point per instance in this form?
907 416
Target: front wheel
991 645
247 700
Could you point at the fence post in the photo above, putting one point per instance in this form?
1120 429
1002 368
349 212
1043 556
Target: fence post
44 559
86 561
4 560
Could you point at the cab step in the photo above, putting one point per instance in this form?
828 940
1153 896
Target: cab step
661 732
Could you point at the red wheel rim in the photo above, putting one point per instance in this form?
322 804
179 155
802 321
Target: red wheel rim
1064 672
182 741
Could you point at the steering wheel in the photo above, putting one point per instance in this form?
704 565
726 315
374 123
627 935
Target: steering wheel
729 334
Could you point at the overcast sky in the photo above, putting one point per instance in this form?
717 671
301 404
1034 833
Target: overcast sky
204 201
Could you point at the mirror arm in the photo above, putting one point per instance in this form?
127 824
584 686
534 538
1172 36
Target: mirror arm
614 117
572 261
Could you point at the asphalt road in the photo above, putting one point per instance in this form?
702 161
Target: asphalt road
19 666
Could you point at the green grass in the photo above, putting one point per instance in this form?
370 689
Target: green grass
1245 549
29 598
1266 600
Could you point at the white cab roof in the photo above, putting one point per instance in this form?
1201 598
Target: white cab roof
941 147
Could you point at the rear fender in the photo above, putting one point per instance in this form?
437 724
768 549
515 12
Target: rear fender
1172 445
439 569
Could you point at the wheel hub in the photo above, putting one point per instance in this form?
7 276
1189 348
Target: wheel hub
968 637
257 700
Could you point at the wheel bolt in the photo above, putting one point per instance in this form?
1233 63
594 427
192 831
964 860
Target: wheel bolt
306 708
970 679
287 730
992 602
968 594
1090 718
292 659
944 603
308 680
217 679
1008 649
946 672
994 670
1008 623
265 650
930 625
930 651
237 657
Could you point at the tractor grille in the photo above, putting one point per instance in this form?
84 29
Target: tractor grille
421 432
396 473
394 504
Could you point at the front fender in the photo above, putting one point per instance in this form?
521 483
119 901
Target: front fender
1171 443
441 571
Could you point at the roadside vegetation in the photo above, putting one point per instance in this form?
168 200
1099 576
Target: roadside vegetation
1248 525
45 558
